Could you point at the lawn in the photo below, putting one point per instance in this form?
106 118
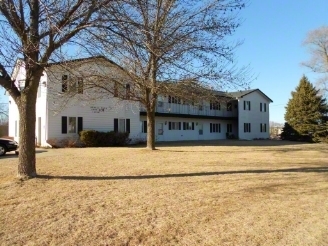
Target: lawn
205 193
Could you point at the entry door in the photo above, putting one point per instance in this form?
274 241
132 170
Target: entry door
160 131
200 131
39 131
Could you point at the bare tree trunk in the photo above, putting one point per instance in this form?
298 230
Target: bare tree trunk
151 129
27 113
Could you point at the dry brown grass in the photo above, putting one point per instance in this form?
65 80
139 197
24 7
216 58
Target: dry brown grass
221 193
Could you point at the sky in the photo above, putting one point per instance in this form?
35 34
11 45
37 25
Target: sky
273 32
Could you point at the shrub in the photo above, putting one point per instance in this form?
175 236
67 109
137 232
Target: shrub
92 138
65 143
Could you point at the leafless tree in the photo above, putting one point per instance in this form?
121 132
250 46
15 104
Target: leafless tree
39 31
171 47
317 43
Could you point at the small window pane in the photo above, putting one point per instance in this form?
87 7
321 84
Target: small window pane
121 125
72 125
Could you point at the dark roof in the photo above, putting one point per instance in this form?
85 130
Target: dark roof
80 59
240 94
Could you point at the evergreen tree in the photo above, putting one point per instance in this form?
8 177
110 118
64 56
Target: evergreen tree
306 110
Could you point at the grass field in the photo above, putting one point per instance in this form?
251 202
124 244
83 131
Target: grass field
216 193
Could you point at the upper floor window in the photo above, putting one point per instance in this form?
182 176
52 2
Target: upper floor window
72 84
263 107
229 106
80 85
175 100
127 91
215 106
21 84
247 105
64 83
115 89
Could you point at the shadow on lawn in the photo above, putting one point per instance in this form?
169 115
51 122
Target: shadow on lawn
180 175
223 142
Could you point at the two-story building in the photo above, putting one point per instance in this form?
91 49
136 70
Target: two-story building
245 115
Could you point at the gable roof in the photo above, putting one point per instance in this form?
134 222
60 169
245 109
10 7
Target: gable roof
241 94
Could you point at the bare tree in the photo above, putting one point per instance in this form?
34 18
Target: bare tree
317 43
172 47
38 32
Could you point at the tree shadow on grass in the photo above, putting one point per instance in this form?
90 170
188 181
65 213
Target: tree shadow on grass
183 175
223 142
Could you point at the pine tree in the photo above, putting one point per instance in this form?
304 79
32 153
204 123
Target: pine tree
306 110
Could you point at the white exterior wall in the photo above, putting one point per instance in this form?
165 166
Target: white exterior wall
41 109
98 116
182 135
13 126
254 116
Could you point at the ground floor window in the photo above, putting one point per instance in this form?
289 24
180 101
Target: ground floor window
229 128
144 126
247 127
71 124
215 127
188 126
263 127
121 125
174 125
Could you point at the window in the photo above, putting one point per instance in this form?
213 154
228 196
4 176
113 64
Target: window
215 106
215 127
115 89
188 126
64 83
160 104
144 126
200 107
247 127
174 125
80 85
21 84
175 100
263 107
229 106
263 127
72 124
121 125
127 91
229 127
247 105
72 84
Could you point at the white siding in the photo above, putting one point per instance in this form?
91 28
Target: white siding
182 135
254 116
98 116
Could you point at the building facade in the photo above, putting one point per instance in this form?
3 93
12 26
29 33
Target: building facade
245 115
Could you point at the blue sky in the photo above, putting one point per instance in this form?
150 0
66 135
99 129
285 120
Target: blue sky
273 32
